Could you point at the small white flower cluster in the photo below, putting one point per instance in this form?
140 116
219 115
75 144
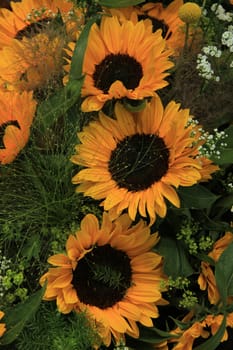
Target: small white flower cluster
4 266
221 13
227 38
214 143
39 13
204 66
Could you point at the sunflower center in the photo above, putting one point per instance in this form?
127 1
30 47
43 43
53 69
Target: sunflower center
3 128
117 67
157 24
139 161
102 277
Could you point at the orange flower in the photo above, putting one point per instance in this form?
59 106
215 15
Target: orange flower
206 279
186 340
168 20
220 245
214 322
122 60
135 161
16 115
2 325
28 15
111 273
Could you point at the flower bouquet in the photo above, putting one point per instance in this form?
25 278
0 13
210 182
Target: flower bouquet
116 178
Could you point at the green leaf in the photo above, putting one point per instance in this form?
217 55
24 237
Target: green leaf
196 197
207 223
17 316
119 3
58 104
79 51
223 204
134 105
176 262
213 342
32 248
224 272
154 335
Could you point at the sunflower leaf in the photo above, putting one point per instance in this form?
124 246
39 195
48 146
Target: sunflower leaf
224 273
213 342
176 262
16 317
119 3
154 335
79 51
196 197
58 104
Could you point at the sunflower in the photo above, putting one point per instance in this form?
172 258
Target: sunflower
214 322
123 60
164 18
16 115
32 63
28 17
202 328
2 325
135 161
32 52
110 273
206 279
187 338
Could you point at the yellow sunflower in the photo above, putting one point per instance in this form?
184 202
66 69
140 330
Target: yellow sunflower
32 52
32 63
187 338
135 161
206 279
164 18
204 328
2 325
29 16
214 322
123 60
16 116
110 272
168 20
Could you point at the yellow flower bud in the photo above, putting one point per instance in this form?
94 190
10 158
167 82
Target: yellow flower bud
189 12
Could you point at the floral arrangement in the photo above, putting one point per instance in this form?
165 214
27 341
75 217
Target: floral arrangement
116 178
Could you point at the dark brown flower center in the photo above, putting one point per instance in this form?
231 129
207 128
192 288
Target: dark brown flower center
102 277
117 67
157 24
139 161
3 128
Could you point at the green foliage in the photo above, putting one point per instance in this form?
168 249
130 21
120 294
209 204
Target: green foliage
224 273
176 262
54 331
197 196
16 317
